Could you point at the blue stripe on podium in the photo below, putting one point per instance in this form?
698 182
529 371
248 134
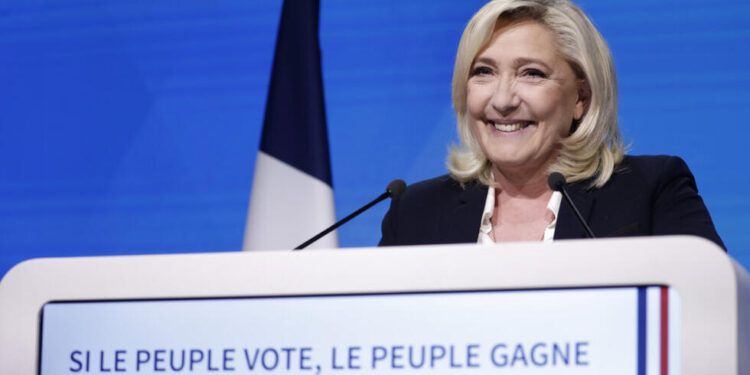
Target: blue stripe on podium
641 353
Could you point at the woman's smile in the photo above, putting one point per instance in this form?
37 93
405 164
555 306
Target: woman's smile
509 127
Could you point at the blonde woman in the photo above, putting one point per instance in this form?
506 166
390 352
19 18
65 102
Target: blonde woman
535 92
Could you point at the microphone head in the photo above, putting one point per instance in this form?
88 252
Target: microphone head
396 189
556 181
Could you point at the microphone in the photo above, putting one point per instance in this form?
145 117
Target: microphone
557 182
395 190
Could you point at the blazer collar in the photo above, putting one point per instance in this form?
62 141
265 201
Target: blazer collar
467 214
568 225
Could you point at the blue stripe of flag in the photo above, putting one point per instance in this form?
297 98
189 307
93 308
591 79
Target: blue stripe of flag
294 128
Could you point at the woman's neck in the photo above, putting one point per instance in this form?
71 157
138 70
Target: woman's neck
522 185
520 212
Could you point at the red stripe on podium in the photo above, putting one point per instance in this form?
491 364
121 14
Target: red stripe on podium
664 330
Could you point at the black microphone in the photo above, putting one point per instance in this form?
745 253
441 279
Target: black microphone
557 182
395 190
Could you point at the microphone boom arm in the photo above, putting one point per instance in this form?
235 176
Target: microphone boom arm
343 221
394 190
556 181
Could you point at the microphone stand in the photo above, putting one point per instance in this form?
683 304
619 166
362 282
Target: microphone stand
557 182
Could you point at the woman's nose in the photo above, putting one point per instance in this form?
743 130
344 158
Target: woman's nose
505 99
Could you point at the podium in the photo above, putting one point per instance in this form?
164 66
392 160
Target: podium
656 305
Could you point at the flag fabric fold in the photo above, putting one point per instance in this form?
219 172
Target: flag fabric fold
292 194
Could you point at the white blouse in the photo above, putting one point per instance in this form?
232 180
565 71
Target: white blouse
489 206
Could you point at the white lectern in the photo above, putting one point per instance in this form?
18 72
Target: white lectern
659 305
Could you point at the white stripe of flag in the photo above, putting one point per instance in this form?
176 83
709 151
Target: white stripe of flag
287 206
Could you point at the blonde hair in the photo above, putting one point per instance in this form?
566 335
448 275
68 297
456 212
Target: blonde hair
595 146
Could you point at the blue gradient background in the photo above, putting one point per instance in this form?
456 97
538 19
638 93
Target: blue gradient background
131 127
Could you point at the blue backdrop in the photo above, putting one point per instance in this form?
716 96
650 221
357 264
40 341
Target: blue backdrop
132 127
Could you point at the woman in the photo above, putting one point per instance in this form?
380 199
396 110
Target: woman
535 92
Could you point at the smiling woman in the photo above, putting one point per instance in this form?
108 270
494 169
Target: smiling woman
522 98
535 92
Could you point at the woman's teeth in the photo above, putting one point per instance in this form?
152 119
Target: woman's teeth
510 127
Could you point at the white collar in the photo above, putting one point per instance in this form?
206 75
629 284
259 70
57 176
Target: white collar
485 228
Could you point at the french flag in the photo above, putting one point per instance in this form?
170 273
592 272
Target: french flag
292 195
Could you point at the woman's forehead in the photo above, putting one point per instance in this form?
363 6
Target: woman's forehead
525 40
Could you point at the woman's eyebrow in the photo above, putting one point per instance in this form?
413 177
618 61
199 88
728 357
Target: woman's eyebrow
530 60
484 60
520 61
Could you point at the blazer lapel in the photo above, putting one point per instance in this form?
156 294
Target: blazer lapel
568 225
463 224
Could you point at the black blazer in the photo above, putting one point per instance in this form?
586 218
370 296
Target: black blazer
647 195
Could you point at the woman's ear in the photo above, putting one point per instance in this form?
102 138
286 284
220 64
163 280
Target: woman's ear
584 98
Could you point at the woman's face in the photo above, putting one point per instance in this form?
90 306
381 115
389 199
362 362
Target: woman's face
522 97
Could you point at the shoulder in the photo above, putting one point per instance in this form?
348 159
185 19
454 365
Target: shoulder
649 172
436 194
440 186
660 194
646 178
438 210
651 164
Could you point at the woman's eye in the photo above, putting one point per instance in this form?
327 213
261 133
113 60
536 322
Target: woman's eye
534 73
481 70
